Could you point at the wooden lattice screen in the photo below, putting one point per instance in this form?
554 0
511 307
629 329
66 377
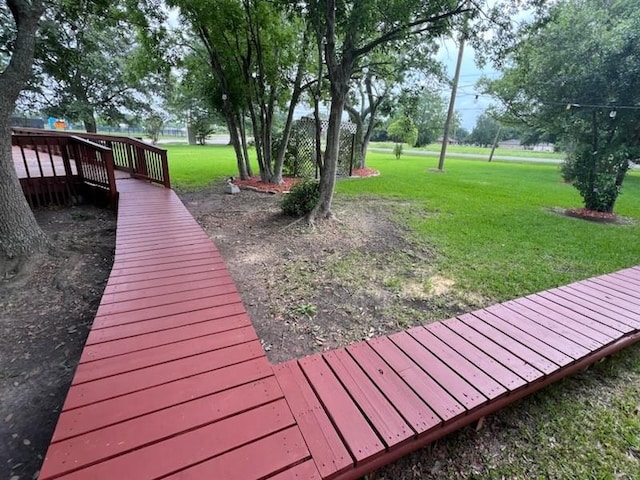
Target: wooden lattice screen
301 157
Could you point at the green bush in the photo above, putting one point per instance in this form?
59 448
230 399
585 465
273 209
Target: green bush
568 169
302 198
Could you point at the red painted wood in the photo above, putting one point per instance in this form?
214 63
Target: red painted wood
579 306
624 284
439 371
111 387
93 370
549 334
627 280
99 335
600 297
126 436
500 353
277 452
164 268
190 448
362 441
326 447
483 322
567 327
383 416
166 310
413 410
525 338
196 292
145 288
170 245
303 471
436 397
159 253
473 375
614 292
161 236
510 380
163 274
116 410
161 290
178 257
164 337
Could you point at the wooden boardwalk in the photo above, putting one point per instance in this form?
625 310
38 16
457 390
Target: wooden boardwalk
173 382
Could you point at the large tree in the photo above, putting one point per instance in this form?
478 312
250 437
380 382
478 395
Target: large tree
20 235
87 64
346 32
575 74
256 53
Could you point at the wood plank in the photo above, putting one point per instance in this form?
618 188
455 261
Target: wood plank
600 296
196 292
145 288
172 245
185 286
160 237
507 378
473 375
190 448
115 410
547 334
613 291
165 337
359 437
175 272
154 427
482 322
436 397
99 335
521 367
439 371
383 416
566 326
111 387
204 245
177 257
166 310
415 412
327 449
303 471
556 356
277 452
88 371
573 302
124 270
627 285
628 280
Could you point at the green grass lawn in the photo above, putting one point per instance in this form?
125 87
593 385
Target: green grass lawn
489 224
509 152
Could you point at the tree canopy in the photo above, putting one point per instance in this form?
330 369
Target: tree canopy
574 74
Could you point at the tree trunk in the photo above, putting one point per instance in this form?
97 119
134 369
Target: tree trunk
20 235
90 125
330 164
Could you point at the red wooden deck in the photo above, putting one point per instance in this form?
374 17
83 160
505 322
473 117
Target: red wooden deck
173 382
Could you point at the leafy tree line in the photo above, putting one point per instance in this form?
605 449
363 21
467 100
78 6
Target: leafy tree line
573 74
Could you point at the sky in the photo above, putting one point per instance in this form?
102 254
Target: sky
466 104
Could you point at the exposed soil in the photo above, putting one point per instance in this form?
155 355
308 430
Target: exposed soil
44 320
593 216
309 290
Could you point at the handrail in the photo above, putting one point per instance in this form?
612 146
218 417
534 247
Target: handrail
93 165
141 160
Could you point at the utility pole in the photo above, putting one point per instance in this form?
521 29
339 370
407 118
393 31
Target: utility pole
452 100
495 142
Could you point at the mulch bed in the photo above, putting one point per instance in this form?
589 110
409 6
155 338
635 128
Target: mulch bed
255 184
592 215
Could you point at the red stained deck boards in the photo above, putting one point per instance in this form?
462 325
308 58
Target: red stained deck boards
173 381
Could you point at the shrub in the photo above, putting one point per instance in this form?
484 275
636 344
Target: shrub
302 198
568 169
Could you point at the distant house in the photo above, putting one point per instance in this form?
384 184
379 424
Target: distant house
544 147
452 141
512 143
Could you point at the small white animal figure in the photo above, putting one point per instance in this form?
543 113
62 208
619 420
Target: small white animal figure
231 188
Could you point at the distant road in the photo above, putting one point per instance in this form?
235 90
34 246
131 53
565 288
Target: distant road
476 156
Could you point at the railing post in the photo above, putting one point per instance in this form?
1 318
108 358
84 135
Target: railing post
142 162
111 175
165 170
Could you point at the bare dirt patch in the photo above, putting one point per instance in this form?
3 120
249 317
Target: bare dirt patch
44 320
309 290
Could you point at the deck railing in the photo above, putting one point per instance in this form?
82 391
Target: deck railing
54 167
141 160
